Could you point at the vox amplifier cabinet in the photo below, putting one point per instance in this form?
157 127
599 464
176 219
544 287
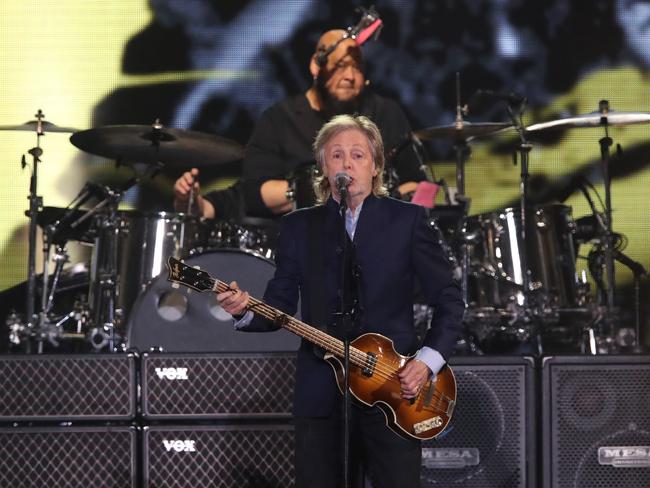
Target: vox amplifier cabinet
67 387
224 456
221 385
44 457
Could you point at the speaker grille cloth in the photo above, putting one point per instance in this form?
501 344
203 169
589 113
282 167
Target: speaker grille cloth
229 385
490 416
67 387
72 457
246 456
595 406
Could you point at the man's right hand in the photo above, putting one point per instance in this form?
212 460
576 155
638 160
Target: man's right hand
182 188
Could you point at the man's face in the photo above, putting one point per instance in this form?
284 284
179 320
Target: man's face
342 77
349 152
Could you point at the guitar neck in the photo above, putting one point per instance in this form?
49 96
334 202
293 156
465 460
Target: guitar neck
312 334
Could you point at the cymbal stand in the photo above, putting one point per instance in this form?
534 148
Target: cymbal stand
515 111
605 143
104 272
35 202
462 152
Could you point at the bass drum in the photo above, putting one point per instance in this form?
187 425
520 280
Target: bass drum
178 320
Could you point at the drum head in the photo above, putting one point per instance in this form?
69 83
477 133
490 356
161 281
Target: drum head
180 320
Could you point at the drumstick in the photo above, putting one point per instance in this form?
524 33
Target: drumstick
190 204
190 200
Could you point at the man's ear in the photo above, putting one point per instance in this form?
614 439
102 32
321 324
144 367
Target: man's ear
314 69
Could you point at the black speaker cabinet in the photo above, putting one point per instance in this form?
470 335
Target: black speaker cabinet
596 422
490 441
67 387
46 457
224 385
224 456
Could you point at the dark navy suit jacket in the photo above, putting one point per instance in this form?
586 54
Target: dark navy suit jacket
393 244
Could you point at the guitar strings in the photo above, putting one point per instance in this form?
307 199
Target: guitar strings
357 357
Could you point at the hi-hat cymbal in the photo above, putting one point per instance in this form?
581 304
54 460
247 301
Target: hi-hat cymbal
593 119
464 131
146 144
32 125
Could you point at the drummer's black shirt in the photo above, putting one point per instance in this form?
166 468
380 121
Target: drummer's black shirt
281 145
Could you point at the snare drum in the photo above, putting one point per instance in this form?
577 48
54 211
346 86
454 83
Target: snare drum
495 276
139 244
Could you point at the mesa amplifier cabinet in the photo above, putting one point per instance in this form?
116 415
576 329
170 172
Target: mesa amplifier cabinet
217 385
596 421
67 387
225 456
45 457
490 440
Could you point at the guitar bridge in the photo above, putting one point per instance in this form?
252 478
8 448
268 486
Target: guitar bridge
371 363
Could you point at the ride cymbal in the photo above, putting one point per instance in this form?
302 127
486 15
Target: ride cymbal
153 144
32 126
464 131
593 119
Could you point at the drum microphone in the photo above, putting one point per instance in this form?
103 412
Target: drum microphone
342 180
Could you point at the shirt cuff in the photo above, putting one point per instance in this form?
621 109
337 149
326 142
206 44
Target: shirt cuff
432 358
244 321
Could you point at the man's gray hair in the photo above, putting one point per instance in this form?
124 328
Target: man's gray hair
342 123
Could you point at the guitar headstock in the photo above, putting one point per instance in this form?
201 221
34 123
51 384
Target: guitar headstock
193 278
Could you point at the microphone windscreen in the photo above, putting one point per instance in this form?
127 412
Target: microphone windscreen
366 33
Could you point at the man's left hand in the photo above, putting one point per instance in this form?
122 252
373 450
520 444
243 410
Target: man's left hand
412 378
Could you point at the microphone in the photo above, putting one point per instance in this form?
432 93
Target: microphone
369 24
512 98
368 32
342 180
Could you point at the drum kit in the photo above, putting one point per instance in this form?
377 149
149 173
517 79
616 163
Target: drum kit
129 248
516 266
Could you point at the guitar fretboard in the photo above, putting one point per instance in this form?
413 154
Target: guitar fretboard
312 334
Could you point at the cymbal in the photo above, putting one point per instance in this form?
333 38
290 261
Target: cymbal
174 147
32 124
464 131
593 119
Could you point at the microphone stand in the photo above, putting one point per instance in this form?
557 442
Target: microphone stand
344 317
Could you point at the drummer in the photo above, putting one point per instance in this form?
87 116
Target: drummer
280 146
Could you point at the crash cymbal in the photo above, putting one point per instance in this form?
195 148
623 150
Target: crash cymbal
593 119
146 144
464 131
32 124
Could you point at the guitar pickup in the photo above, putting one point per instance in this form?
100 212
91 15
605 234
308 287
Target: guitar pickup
371 363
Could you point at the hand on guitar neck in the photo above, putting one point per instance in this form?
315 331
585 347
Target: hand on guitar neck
234 301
